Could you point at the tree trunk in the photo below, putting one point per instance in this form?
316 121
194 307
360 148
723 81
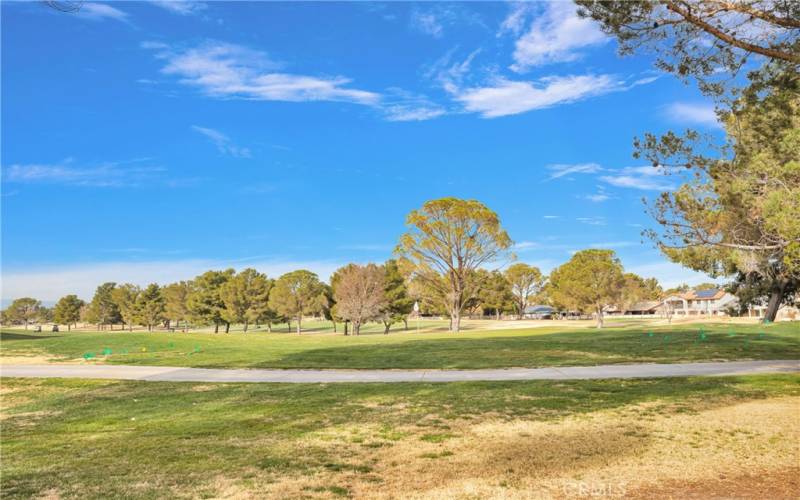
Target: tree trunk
455 321
216 327
775 300
405 322
227 327
269 326
599 317
245 326
386 327
334 326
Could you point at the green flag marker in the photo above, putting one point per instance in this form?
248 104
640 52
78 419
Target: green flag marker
107 351
666 338
702 336
649 334
88 355
197 348
171 345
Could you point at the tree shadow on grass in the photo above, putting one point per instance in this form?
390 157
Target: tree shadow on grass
179 427
580 348
6 336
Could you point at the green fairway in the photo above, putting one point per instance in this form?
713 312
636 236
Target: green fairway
83 439
477 349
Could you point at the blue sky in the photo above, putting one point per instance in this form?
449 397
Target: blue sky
149 141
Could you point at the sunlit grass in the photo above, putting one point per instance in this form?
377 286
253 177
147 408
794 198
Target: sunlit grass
115 439
536 347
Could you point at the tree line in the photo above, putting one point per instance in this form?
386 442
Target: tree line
357 294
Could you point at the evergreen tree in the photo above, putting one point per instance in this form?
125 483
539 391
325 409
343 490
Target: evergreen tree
150 306
68 310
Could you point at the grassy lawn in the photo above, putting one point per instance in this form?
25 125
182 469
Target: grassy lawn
534 347
111 439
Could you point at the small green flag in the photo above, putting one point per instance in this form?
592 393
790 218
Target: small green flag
107 351
649 334
88 355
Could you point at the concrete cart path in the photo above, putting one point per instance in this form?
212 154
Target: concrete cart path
172 374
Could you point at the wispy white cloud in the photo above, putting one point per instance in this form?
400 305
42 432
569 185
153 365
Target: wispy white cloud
427 22
181 7
557 34
600 196
597 197
100 11
693 113
228 71
402 106
450 72
223 142
526 245
405 113
561 169
224 70
515 21
646 178
109 174
551 217
506 97
432 19
593 220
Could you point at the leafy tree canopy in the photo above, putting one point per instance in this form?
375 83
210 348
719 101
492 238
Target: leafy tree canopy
448 239
589 281
296 294
526 283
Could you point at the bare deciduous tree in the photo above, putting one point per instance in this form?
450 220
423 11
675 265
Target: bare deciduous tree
359 294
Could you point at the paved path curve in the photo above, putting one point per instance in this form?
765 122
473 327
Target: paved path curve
171 374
